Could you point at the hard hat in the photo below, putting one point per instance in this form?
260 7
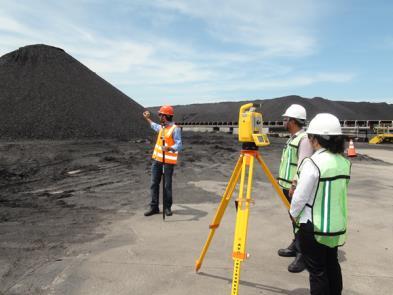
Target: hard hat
296 111
166 110
324 124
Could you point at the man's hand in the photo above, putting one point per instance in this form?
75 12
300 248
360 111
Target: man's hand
291 191
166 149
146 114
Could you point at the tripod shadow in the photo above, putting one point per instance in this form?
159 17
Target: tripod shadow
300 291
194 214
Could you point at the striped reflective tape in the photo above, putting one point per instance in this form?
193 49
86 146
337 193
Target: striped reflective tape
325 214
288 165
166 156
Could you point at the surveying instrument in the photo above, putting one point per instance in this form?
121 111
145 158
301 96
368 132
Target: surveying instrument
251 135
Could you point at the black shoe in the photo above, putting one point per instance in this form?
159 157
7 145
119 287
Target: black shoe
168 212
288 252
152 211
297 265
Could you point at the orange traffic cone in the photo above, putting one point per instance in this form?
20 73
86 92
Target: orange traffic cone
351 149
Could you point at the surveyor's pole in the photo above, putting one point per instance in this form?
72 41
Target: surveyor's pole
163 171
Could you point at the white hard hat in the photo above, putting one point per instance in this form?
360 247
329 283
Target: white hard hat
296 111
324 124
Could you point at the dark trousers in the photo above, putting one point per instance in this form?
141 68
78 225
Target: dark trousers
156 174
295 235
321 262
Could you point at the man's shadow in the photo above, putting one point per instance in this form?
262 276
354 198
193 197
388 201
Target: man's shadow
194 214
299 291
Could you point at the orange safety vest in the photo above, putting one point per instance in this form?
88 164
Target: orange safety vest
170 157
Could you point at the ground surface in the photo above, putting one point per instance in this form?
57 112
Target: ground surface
71 221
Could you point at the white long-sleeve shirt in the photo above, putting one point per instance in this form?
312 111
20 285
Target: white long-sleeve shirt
305 191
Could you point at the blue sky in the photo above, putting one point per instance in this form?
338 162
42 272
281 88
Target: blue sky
180 52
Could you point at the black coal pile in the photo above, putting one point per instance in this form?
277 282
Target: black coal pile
272 109
47 94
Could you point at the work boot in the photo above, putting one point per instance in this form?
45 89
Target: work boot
288 252
298 264
168 212
152 211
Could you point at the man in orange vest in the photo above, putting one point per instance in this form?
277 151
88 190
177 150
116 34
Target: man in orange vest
171 134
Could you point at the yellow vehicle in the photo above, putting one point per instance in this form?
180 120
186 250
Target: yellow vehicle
384 134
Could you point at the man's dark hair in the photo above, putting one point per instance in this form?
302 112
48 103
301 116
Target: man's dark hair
333 143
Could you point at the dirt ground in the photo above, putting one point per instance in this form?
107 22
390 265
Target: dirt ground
57 196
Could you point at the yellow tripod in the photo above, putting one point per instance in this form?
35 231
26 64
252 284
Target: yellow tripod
239 254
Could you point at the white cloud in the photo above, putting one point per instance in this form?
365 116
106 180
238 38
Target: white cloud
10 25
111 56
218 90
276 27
249 39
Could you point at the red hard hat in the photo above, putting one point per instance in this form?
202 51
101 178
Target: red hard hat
166 110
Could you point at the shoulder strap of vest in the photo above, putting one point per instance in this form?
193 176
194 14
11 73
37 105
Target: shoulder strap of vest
291 144
301 163
160 133
297 138
170 131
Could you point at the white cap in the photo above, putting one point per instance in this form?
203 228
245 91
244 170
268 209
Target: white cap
296 111
324 124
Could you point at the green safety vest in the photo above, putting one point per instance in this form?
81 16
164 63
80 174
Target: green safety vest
329 210
289 159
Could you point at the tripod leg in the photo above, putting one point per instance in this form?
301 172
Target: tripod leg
239 243
273 181
220 210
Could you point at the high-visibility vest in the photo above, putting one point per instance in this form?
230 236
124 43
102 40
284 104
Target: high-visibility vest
170 157
289 159
329 208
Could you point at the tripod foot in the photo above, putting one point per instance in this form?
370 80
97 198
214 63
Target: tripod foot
198 265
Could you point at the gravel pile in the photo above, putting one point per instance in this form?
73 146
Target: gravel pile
47 94
272 109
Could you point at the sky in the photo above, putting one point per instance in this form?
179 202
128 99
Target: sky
182 52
